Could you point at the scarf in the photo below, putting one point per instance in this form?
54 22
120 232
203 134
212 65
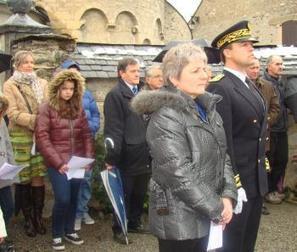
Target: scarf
29 79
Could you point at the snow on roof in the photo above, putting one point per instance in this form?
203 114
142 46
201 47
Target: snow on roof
100 61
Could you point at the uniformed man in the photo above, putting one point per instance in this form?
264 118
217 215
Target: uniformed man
243 112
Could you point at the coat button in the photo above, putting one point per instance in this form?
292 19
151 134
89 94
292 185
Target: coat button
267 138
254 121
260 139
259 161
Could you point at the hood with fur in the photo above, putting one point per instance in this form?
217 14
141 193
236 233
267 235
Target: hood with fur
147 102
58 80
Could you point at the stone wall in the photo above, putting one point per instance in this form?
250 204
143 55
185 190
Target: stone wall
176 27
266 17
48 51
124 21
99 88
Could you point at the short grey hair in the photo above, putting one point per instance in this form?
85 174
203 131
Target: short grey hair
150 69
271 58
177 58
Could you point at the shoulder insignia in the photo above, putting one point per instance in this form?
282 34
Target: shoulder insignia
217 77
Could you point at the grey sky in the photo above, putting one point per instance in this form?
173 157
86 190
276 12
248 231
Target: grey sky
185 7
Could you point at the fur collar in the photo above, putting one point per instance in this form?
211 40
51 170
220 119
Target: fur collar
59 80
147 102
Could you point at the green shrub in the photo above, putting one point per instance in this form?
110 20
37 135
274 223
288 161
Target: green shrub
98 188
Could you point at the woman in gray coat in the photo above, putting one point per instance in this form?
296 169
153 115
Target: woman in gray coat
192 181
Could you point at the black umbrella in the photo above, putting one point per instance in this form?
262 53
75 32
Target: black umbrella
4 61
212 53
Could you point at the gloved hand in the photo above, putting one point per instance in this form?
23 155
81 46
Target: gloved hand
241 197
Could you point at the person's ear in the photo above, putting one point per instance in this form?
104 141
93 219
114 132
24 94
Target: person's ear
174 81
121 72
227 53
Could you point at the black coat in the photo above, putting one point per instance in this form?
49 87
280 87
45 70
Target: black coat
127 130
245 123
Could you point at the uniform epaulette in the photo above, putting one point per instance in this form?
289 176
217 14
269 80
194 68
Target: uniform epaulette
217 77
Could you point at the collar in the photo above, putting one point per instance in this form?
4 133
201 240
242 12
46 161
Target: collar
239 75
130 86
271 78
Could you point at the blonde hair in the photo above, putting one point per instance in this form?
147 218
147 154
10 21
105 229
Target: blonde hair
177 58
20 57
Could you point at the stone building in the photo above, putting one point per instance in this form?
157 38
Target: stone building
104 32
115 22
273 22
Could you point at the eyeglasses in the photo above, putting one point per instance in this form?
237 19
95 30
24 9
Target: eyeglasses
157 76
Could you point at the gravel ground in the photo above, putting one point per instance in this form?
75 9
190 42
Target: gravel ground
277 234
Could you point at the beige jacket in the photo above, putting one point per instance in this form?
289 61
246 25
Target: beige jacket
18 111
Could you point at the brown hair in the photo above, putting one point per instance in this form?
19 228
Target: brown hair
67 109
222 56
123 63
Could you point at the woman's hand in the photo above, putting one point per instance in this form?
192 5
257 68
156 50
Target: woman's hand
227 211
88 167
108 166
63 169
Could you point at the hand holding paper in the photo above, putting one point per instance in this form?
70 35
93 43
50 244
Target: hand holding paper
215 239
77 167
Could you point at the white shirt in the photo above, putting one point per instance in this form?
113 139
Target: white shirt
238 74
131 86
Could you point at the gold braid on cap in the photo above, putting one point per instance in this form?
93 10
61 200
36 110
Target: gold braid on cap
233 36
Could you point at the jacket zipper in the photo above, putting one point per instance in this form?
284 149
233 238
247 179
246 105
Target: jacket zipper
71 136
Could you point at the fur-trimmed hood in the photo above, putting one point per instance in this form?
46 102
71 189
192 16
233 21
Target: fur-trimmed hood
58 80
147 102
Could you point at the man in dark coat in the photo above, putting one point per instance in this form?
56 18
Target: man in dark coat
243 112
278 154
130 154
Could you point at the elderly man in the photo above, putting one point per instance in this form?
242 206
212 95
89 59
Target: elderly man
243 112
153 78
278 154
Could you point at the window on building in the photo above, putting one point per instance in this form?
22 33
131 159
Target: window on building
289 33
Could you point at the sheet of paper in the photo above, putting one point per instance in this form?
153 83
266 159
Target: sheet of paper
215 239
9 171
8 182
77 167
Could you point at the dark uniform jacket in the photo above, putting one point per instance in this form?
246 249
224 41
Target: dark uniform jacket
127 130
245 125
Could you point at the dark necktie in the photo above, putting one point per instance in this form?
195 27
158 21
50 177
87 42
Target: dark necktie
255 92
135 90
